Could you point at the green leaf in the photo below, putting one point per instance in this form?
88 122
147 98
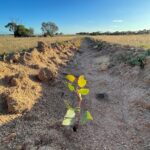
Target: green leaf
71 87
69 117
86 117
83 91
81 81
70 77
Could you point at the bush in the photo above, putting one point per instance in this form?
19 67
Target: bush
138 60
133 59
148 52
21 31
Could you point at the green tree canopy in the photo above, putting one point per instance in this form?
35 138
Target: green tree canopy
12 26
49 28
20 30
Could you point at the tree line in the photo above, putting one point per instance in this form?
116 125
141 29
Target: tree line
51 29
116 33
19 30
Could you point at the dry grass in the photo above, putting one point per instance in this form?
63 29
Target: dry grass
142 41
11 44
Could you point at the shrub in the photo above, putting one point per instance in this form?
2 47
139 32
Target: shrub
148 52
138 60
134 60
20 30
23 32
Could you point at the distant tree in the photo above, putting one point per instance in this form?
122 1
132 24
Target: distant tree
59 33
31 31
20 30
12 26
49 28
145 31
23 32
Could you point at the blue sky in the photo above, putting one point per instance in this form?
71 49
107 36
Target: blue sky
77 15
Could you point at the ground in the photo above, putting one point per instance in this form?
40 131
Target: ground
120 120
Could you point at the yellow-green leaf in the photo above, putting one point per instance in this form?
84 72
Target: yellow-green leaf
69 117
89 116
83 91
81 81
70 113
86 117
70 77
71 87
67 121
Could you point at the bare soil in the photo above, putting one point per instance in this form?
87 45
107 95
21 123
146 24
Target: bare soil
118 100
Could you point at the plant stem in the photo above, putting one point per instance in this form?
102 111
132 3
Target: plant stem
79 106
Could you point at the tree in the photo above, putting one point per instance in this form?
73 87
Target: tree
59 33
31 30
20 30
12 26
23 32
49 28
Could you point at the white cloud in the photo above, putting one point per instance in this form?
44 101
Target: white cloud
118 21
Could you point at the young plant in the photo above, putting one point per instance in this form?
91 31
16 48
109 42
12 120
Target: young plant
73 115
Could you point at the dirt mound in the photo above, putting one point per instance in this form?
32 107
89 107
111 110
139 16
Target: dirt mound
42 46
15 58
15 80
46 74
43 62
22 94
53 55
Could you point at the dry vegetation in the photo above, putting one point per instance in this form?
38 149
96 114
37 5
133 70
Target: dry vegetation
11 44
142 41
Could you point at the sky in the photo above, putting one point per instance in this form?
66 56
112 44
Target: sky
74 16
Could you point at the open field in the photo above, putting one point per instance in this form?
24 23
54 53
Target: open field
11 44
142 41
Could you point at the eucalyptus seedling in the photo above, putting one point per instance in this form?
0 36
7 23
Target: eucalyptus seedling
73 115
